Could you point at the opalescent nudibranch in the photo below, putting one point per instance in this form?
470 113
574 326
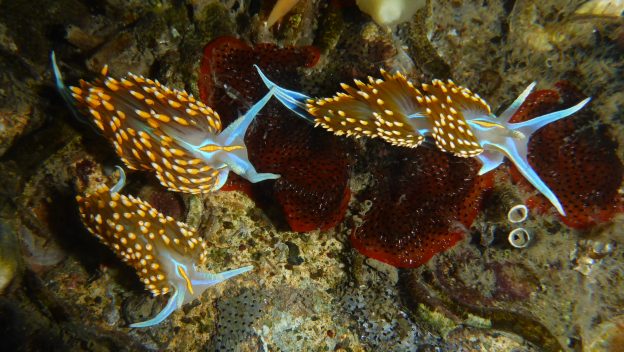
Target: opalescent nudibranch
165 253
400 113
168 131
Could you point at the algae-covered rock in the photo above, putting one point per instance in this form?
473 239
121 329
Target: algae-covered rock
60 289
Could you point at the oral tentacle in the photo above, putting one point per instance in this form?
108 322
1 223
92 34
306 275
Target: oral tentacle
517 153
208 279
531 126
513 108
235 132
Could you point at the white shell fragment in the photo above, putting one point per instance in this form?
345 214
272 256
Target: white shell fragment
519 238
518 213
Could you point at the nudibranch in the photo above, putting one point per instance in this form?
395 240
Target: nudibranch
399 112
168 131
165 253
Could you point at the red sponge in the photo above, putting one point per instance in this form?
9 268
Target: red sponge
422 202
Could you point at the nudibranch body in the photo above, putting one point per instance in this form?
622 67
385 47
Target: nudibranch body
399 112
168 131
165 253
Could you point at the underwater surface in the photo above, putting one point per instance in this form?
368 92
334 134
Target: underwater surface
341 175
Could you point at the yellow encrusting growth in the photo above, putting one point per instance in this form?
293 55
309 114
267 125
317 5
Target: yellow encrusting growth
390 12
280 9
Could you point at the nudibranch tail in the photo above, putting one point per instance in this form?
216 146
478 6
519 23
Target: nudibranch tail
63 90
121 182
165 253
58 80
294 101
168 131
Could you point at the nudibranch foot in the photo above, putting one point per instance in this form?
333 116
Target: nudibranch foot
165 253
490 160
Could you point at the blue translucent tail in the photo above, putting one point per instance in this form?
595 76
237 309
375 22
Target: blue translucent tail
122 180
64 91
294 101
61 87
58 80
